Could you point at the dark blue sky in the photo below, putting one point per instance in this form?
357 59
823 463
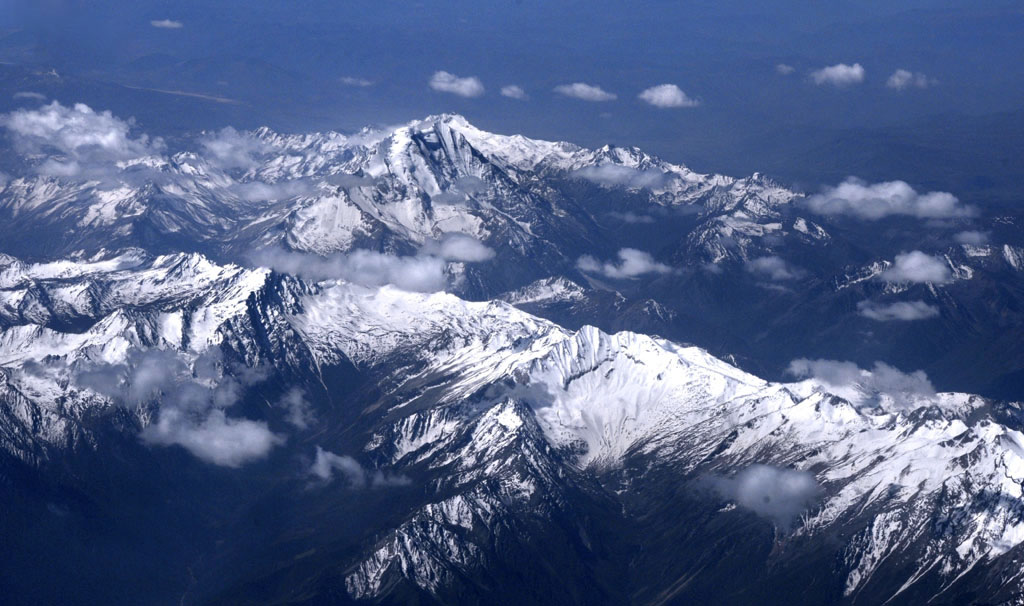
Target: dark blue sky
283 62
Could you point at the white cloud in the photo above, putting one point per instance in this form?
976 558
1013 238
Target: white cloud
82 137
29 95
351 81
774 268
365 267
586 92
300 411
776 493
424 272
784 69
459 247
229 148
327 464
904 311
667 95
840 74
450 83
870 202
901 79
191 397
166 24
632 263
216 439
513 92
882 385
973 238
614 175
917 267
259 191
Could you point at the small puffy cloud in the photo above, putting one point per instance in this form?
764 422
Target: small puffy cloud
166 24
784 69
215 439
190 396
351 81
917 267
901 79
586 92
667 95
614 175
774 268
972 238
883 384
904 311
459 247
80 138
776 493
875 201
328 466
229 148
450 83
839 74
632 263
513 92
299 409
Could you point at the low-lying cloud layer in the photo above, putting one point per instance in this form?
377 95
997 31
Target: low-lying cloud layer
972 238
875 201
586 92
424 272
450 83
191 397
667 95
215 438
632 263
229 148
883 384
904 311
917 267
839 75
776 493
329 466
260 191
459 247
614 175
774 268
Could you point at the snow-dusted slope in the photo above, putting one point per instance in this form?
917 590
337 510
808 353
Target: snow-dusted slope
602 399
394 188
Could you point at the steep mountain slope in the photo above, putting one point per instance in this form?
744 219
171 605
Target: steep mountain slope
747 268
497 457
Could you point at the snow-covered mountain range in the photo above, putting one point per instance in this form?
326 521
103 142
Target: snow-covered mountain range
243 351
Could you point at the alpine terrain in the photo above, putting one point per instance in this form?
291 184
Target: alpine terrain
428 364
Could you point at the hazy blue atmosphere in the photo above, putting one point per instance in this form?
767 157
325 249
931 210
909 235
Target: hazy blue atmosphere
334 65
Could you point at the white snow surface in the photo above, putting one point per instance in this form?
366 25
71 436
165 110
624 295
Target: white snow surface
599 398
